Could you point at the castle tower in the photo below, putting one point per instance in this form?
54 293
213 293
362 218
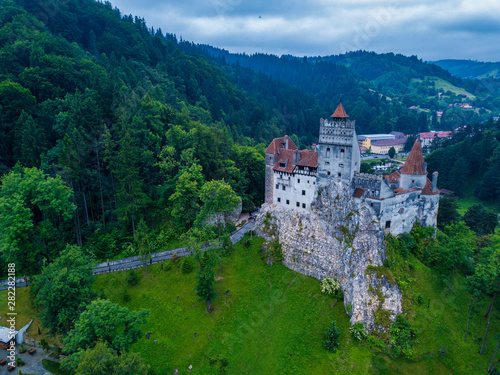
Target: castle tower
414 171
272 152
339 155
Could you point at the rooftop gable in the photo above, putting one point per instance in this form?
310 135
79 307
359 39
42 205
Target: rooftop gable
278 143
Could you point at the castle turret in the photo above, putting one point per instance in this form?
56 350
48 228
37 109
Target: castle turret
414 171
339 155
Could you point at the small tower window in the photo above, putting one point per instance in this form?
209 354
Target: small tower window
387 224
303 192
277 186
284 187
287 201
328 152
342 153
340 174
328 173
297 204
279 199
303 205
298 180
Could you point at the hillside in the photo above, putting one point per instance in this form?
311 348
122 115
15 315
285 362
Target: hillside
470 68
388 82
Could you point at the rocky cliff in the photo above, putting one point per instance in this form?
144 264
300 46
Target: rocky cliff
337 240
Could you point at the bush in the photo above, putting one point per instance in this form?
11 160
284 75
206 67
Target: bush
187 264
45 345
358 331
174 258
132 278
332 338
20 361
167 266
126 296
22 349
330 286
403 337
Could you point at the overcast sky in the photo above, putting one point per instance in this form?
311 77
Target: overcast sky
430 29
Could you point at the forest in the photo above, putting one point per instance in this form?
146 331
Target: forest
116 137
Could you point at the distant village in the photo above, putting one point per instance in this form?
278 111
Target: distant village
382 143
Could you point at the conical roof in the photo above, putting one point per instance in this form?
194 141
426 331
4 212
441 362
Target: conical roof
415 163
340 112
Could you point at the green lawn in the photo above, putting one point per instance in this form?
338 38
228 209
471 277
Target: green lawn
273 320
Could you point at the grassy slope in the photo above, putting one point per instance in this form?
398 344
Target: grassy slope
25 312
272 312
272 323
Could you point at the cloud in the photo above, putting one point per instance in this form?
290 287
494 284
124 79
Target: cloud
428 28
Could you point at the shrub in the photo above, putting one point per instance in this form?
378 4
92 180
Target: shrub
126 296
330 286
167 266
20 361
403 337
22 349
187 264
332 338
174 258
45 345
132 278
358 331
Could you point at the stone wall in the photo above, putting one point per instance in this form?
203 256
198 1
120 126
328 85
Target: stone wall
336 240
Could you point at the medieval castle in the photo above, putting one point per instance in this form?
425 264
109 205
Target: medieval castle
395 202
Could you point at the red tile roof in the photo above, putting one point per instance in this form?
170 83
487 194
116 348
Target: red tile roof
442 134
394 177
340 112
277 143
358 193
414 165
427 190
285 156
390 142
308 158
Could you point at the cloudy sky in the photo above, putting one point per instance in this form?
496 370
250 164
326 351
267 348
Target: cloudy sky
430 29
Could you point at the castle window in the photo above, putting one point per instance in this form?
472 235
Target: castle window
284 187
303 192
341 165
342 153
328 152
307 181
328 173
279 199
298 180
297 204
282 165
287 201
340 174
277 186
387 224
371 204
303 205
327 163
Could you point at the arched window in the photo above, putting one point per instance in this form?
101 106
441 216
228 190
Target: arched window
342 153
328 152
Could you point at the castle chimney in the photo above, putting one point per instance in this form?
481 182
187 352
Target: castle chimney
296 156
434 181
314 147
286 142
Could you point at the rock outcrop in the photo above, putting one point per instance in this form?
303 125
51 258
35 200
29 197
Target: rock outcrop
337 239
